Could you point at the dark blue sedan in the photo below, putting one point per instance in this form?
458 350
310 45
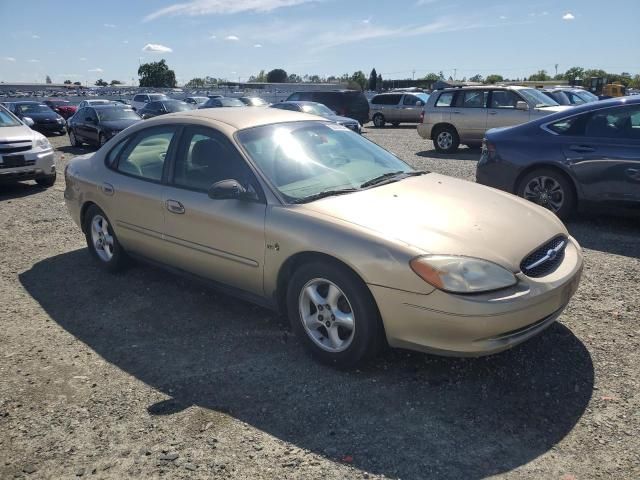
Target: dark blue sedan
585 155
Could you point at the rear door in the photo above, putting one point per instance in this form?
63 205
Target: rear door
218 239
603 150
411 108
502 109
469 114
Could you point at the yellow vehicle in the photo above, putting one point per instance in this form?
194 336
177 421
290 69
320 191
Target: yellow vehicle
600 87
614 90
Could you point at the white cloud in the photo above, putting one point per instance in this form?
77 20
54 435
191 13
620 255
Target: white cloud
568 16
33 60
110 25
232 38
96 70
221 7
36 37
156 48
257 45
9 59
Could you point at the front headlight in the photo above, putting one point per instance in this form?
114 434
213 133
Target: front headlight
462 274
43 143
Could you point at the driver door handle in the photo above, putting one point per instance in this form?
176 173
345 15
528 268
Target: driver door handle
581 148
175 206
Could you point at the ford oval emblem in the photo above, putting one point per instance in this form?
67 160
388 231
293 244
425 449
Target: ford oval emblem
551 254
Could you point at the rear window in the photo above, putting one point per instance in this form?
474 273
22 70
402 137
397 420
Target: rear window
139 98
386 99
445 99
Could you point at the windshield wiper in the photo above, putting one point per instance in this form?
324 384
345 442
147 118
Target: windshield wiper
389 177
323 194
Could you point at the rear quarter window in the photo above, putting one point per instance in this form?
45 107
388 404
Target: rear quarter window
445 99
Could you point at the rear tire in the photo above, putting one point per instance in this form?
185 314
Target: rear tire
101 140
548 188
47 181
446 140
102 241
378 120
334 314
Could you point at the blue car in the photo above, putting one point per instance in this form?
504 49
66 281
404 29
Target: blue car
587 155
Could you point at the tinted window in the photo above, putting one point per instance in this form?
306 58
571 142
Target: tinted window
91 113
386 99
506 99
207 157
623 123
145 155
473 99
445 99
570 126
139 98
294 97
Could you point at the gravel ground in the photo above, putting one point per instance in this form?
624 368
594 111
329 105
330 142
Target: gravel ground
149 375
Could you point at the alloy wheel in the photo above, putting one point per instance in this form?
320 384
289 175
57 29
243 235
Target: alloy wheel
445 140
326 315
545 191
102 239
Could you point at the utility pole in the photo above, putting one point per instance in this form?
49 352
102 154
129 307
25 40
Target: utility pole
455 71
413 74
556 69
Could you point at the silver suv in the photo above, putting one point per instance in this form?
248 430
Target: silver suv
462 115
397 108
24 153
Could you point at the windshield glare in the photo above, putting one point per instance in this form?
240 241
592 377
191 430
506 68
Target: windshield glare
537 98
317 109
231 102
156 97
177 106
34 108
116 113
302 159
8 120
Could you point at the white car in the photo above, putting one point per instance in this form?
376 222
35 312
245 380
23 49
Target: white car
141 99
24 153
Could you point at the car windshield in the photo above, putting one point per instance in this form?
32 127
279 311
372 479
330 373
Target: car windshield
586 96
158 96
254 101
177 106
422 96
116 113
230 102
537 98
34 108
8 120
305 159
199 99
317 109
98 102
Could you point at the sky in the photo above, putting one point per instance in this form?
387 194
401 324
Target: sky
234 39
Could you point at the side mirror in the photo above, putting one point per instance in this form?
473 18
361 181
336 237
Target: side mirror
28 121
419 103
227 189
522 105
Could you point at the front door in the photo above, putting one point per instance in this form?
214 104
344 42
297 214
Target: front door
223 240
503 111
410 110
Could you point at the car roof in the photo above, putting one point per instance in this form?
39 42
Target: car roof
300 102
110 106
484 87
237 118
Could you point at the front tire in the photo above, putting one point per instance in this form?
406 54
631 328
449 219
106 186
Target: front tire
334 314
550 189
47 181
378 120
102 241
446 140
101 140
73 139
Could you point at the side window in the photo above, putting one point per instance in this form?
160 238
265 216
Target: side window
572 126
91 113
81 113
410 100
138 98
473 99
145 155
377 100
623 123
445 99
504 99
294 97
206 157
112 156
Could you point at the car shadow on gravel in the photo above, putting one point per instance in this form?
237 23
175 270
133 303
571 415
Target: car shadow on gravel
11 191
407 414
76 150
605 233
462 154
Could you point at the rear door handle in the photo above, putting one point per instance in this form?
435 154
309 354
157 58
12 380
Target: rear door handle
493 113
107 189
581 148
174 206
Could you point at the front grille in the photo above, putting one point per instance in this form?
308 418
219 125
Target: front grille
4 149
545 259
27 163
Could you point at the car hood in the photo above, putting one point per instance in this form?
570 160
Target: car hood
42 116
443 215
340 119
119 124
20 133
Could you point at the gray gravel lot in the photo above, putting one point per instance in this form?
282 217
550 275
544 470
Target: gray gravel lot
149 375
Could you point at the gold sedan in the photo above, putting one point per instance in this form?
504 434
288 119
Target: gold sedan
304 216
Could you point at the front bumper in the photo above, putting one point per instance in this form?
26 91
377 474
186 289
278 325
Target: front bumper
424 130
50 127
37 165
479 324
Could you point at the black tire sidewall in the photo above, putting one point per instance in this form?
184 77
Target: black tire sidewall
454 144
368 331
47 181
568 207
73 138
382 121
119 259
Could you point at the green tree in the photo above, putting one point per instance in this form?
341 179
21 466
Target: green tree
48 80
293 78
476 78
594 72
101 83
156 75
359 79
540 76
373 79
493 78
67 82
277 75
431 77
77 83
116 82
314 78
195 83
635 82
573 74
379 84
